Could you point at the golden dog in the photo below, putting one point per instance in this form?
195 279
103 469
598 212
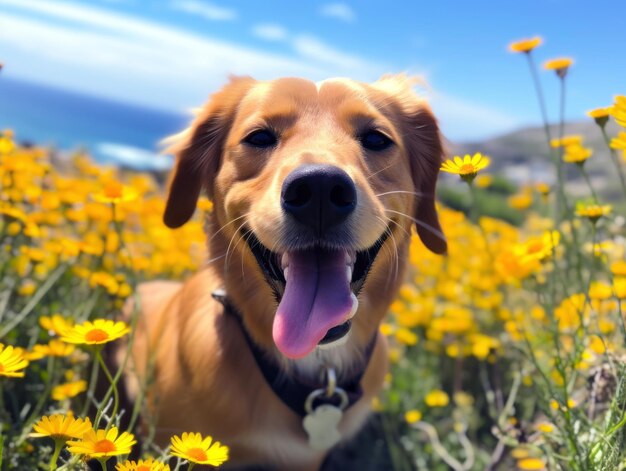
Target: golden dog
273 348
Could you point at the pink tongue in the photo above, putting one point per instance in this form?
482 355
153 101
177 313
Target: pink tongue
316 298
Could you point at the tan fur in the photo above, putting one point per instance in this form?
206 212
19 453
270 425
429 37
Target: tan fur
206 379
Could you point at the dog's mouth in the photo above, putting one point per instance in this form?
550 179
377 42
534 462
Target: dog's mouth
316 289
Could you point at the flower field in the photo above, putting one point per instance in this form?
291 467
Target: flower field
507 353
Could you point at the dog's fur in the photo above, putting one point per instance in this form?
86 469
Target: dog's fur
205 377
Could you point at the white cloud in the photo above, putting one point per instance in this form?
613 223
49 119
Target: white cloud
462 120
270 32
340 11
97 51
206 10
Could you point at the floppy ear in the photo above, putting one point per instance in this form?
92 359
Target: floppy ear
198 151
426 152
424 147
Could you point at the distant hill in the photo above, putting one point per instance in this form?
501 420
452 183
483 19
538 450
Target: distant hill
523 156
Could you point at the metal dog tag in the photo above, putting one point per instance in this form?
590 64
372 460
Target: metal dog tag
321 426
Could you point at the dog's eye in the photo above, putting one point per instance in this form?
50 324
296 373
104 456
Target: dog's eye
261 138
375 140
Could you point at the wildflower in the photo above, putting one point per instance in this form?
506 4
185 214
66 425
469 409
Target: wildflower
565 141
406 337
102 443
95 333
576 155
545 427
12 361
55 348
531 464
593 212
198 450
619 142
484 181
60 427
27 288
619 268
386 329
114 192
412 416
55 324
525 45
600 115
521 201
142 465
560 65
618 110
463 399
6 145
437 398
68 390
619 287
467 167
543 189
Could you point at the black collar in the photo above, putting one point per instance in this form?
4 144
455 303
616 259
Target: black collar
292 390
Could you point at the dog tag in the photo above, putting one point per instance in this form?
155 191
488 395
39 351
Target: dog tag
321 426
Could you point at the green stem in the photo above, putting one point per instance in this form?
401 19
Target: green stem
93 377
588 181
112 390
615 159
58 446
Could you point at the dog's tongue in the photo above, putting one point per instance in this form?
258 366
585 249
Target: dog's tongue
316 298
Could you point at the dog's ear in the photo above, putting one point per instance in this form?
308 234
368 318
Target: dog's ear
424 146
198 151
426 151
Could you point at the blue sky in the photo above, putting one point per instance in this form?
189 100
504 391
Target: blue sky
171 54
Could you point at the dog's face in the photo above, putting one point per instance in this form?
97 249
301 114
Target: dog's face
322 181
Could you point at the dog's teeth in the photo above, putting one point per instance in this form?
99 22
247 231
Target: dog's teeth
349 273
284 261
285 271
355 305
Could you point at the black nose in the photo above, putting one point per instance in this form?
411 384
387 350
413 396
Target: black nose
318 196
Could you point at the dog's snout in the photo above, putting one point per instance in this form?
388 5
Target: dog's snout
318 196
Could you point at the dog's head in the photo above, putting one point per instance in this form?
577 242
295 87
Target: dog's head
322 181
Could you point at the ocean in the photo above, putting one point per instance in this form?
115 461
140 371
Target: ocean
112 132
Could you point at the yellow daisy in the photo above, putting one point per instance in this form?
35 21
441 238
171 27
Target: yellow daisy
559 65
577 155
412 416
531 464
600 115
142 465
68 390
467 167
102 443
198 450
55 348
618 110
593 212
619 142
12 361
437 398
566 141
95 333
60 427
55 324
525 45
115 192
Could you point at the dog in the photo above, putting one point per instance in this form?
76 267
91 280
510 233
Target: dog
273 347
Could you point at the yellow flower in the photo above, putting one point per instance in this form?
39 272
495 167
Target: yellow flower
619 287
27 288
619 142
61 427
560 65
543 189
437 398
576 154
115 192
571 140
600 291
6 145
55 324
68 390
545 427
484 181
600 115
525 45
521 201
142 465
467 167
618 110
55 348
95 333
406 337
531 464
412 416
102 443
593 212
12 361
194 448
619 268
